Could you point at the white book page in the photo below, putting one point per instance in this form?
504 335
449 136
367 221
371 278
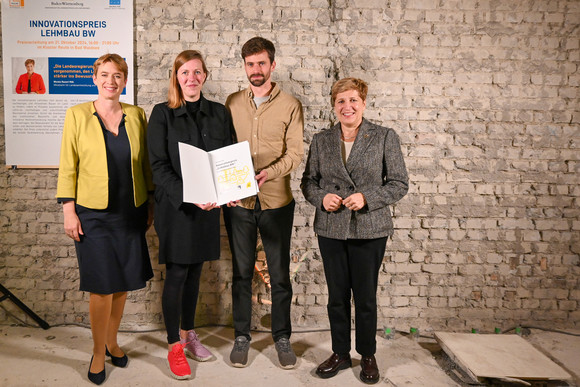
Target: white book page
196 172
233 175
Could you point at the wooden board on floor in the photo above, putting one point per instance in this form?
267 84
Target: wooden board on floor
499 357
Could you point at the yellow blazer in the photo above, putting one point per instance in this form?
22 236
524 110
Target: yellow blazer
82 174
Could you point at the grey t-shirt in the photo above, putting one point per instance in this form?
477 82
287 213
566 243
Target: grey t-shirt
260 100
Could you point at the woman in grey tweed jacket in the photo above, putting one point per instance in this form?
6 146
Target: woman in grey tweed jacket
355 171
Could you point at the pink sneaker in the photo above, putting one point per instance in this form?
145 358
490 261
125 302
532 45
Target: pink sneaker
194 348
178 365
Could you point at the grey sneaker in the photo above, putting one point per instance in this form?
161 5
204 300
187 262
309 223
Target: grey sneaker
286 355
239 354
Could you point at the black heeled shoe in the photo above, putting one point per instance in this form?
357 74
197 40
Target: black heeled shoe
97 378
117 361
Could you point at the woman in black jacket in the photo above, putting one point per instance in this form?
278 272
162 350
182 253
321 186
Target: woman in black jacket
189 234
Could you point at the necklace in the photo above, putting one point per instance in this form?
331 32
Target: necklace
349 137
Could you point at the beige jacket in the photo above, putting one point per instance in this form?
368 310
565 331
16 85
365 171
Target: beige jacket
275 133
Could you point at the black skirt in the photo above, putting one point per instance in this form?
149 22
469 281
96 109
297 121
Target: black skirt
112 254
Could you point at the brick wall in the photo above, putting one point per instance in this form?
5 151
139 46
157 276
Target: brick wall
485 97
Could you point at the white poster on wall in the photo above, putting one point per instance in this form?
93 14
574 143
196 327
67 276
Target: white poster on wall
48 51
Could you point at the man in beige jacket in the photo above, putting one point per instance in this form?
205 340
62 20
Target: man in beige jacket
272 122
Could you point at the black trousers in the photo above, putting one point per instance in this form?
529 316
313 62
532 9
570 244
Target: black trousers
352 265
275 227
179 299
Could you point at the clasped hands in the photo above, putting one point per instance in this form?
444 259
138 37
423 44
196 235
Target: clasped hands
332 202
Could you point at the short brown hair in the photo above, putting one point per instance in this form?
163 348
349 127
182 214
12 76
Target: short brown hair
175 94
29 61
347 84
116 59
256 45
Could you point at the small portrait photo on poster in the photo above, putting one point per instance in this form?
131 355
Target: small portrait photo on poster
29 75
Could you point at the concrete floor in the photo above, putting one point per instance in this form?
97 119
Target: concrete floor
60 357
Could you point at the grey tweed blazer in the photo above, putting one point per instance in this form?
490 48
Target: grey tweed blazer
375 168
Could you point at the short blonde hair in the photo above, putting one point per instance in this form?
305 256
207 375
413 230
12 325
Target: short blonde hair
116 59
347 84
29 61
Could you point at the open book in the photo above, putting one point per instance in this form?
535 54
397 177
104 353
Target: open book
220 176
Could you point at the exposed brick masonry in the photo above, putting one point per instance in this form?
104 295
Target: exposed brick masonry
485 96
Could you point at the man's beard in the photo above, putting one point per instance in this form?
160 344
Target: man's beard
257 81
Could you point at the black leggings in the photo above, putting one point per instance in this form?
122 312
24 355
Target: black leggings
179 298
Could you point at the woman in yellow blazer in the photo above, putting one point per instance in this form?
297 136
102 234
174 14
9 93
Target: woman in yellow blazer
103 182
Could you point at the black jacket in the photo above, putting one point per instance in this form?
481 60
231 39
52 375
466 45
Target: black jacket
186 233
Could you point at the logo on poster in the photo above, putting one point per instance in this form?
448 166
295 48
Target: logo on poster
114 2
18 3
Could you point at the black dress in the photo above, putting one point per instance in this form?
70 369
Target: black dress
112 254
